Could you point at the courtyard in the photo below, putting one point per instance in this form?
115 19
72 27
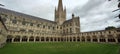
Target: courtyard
60 48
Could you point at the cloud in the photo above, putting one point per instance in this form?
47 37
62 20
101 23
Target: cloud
97 15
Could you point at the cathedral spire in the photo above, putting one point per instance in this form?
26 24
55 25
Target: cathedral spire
60 13
60 6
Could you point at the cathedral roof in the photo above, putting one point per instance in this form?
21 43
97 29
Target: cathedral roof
3 10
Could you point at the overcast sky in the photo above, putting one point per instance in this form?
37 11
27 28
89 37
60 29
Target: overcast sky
94 14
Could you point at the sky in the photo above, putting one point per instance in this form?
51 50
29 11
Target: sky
94 14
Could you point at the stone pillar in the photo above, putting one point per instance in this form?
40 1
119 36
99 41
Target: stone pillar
28 39
49 38
44 39
76 38
85 39
34 39
20 39
116 40
72 39
12 40
56 39
80 39
40 39
66 38
98 39
106 39
53 39
91 39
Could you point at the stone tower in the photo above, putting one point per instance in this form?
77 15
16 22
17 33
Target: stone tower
60 13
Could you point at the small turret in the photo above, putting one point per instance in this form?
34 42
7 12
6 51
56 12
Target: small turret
73 16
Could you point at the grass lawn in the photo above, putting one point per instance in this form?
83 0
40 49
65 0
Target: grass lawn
60 48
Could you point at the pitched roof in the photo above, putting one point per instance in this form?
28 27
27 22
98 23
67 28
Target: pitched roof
3 10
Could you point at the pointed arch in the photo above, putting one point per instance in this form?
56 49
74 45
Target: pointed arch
24 38
9 38
17 39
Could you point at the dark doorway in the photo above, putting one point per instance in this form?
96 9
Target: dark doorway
37 38
74 39
102 40
78 39
17 39
47 38
83 39
9 39
111 40
24 38
42 38
31 38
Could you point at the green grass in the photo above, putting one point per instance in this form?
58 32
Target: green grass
60 48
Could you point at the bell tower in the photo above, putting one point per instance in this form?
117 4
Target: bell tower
60 13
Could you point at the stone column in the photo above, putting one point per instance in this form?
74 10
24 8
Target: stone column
12 40
49 38
106 39
28 39
66 39
44 39
20 39
91 39
116 40
80 39
85 39
53 39
56 39
72 39
98 39
34 39
76 39
39 39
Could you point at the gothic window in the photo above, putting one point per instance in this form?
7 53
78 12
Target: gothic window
23 23
100 32
60 27
109 32
30 31
4 19
31 24
38 25
43 26
15 17
48 27
53 28
14 21
70 24
118 30
6 15
23 30
57 27
0 31
67 30
63 25
63 31
70 30
67 25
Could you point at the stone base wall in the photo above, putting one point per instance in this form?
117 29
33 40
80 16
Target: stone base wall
2 41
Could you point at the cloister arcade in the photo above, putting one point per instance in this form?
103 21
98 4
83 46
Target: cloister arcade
100 39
